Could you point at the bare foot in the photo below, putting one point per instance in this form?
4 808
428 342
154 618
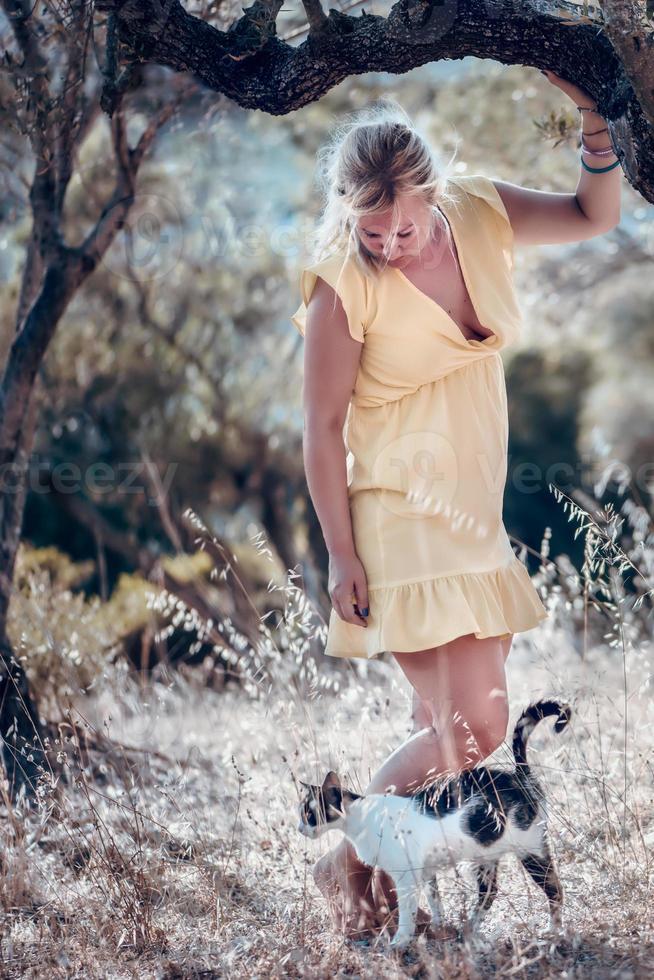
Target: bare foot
348 897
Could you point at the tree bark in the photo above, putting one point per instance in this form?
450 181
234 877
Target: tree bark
20 728
635 48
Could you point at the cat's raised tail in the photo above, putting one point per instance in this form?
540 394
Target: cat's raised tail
528 721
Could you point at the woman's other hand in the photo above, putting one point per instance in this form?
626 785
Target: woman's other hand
347 577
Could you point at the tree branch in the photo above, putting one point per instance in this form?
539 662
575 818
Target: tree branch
268 74
68 114
34 73
316 16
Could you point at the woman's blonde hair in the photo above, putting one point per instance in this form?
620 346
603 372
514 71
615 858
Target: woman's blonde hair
373 156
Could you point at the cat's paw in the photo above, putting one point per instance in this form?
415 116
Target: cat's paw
400 940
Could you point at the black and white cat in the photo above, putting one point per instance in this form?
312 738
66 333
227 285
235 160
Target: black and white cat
477 816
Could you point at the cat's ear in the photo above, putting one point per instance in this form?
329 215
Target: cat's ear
331 780
306 785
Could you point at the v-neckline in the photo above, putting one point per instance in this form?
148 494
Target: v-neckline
466 281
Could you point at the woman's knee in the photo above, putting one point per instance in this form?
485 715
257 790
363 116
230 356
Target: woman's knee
462 686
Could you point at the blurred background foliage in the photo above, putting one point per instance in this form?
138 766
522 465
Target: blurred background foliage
174 380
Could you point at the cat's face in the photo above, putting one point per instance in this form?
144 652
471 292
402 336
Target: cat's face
322 808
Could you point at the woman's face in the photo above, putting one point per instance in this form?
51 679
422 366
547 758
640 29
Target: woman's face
409 237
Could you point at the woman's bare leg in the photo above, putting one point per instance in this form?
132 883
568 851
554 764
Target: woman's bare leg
461 690
462 684
421 713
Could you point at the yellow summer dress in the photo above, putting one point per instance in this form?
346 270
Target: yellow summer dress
426 437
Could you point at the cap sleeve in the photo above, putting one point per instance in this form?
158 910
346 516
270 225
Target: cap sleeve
347 281
490 208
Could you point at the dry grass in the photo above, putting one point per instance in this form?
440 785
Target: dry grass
183 860
168 846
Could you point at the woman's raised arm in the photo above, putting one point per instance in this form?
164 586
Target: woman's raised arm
545 218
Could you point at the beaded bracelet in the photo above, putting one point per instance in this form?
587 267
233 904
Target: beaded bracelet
599 170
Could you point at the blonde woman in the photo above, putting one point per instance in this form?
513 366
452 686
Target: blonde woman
404 315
